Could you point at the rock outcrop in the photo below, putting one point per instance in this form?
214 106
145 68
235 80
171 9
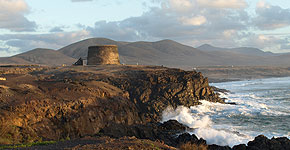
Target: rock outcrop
108 103
154 89
262 142
56 103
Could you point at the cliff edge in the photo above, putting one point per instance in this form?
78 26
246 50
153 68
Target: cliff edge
45 103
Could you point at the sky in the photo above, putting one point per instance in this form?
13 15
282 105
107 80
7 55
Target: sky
29 24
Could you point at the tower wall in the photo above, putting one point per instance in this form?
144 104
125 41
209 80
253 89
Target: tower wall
101 55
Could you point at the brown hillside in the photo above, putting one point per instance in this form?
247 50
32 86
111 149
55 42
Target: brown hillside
39 56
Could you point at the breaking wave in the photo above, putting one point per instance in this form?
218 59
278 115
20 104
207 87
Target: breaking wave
263 107
199 119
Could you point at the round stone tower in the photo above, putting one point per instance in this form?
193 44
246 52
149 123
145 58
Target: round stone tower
103 55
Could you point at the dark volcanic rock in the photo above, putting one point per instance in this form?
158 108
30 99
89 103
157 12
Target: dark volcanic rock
263 143
154 90
56 103
217 147
171 132
187 138
73 102
259 143
173 125
240 147
166 131
225 91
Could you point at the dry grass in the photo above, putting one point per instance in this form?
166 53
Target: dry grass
190 146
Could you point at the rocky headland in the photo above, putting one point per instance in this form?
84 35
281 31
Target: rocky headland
88 106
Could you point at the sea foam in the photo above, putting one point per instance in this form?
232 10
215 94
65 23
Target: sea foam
198 117
263 107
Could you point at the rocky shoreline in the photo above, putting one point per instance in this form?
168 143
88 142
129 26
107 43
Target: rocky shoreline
105 101
238 73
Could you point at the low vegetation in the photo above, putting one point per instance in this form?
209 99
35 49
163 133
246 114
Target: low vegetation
27 145
190 146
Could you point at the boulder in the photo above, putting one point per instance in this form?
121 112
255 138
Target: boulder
261 142
240 147
217 147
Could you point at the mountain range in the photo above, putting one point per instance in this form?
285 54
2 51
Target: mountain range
240 50
166 52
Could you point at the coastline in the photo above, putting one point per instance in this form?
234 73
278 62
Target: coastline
217 80
129 100
217 74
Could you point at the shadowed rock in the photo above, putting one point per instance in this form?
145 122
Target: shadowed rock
55 103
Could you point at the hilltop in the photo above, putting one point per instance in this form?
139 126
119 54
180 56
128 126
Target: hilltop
39 56
165 52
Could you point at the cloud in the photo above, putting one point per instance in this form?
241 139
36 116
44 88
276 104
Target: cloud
57 29
191 22
5 52
194 21
180 5
221 23
285 47
24 42
12 16
266 42
115 30
233 4
183 20
262 4
271 17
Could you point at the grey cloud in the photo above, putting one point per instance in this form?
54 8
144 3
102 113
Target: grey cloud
113 30
269 42
56 29
221 27
271 17
13 16
80 26
17 23
285 46
26 45
165 23
25 42
4 51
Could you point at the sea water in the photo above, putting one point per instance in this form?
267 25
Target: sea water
263 107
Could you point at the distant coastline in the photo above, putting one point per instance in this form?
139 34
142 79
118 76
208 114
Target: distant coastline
237 73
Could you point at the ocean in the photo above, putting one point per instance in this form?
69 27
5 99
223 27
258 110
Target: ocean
263 107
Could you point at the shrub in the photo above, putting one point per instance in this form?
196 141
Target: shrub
190 146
